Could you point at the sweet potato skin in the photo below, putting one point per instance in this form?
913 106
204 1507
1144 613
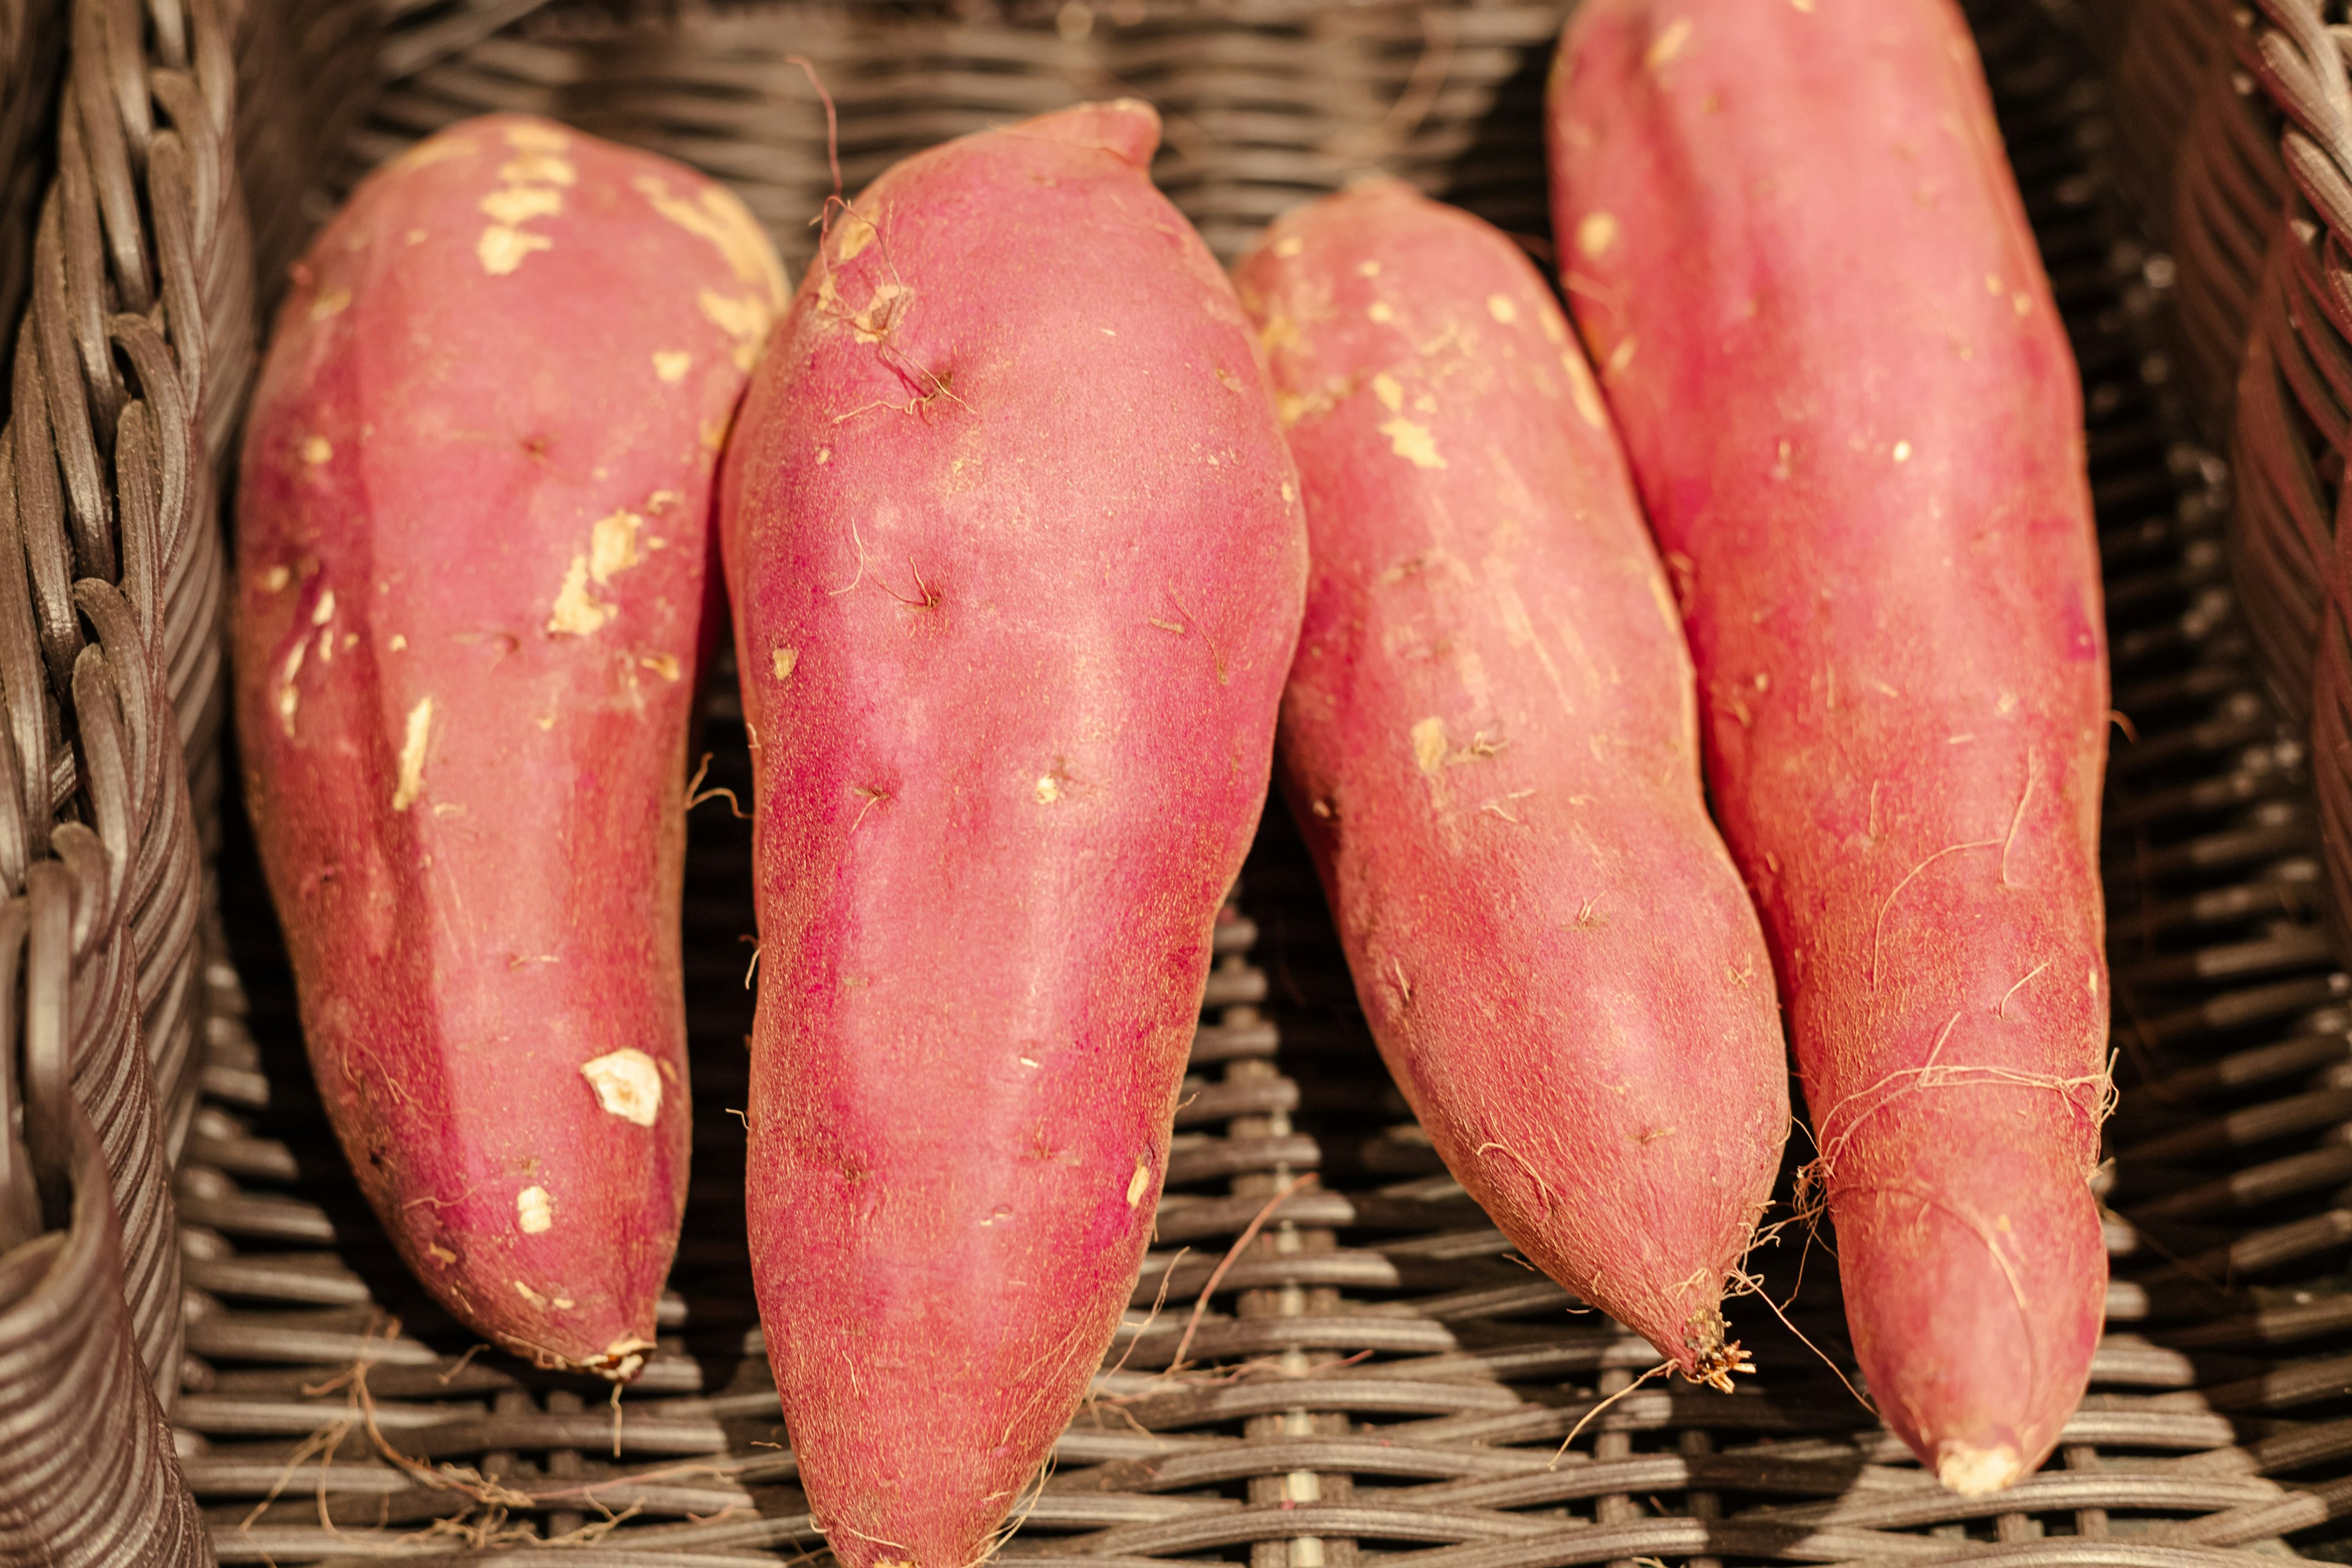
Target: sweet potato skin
1491 740
474 538
1016 562
1790 236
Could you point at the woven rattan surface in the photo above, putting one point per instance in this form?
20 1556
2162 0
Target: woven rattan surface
128 367
2196 149
2295 420
2166 51
1371 1374
81 1491
32 34
2245 115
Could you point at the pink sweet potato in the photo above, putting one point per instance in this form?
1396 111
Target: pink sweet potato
1016 561
474 539
1791 240
1491 740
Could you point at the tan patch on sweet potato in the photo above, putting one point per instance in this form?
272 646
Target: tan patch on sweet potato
782 659
1595 233
1429 745
672 366
746 320
883 308
574 614
317 450
613 545
540 160
1975 1472
715 215
1381 311
622 1358
502 249
331 303
1668 43
1499 306
288 697
856 232
505 244
1412 443
627 1083
612 549
1390 394
538 168
534 1210
519 204
1140 1182
412 755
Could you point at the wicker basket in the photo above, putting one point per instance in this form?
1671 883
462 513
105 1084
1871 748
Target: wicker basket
31 40
1387 1381
2260 219
130 360
2234 126
2195 150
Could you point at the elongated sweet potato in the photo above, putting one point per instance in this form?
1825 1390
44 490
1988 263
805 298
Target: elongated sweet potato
1791 240
1016 561
474 540
1491 740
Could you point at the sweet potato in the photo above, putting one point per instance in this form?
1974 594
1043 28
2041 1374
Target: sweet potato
1016 561
1490 737
1791 238
474 540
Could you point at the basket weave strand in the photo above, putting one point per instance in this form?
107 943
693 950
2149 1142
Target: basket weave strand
2226 191
78 1492
2165 53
